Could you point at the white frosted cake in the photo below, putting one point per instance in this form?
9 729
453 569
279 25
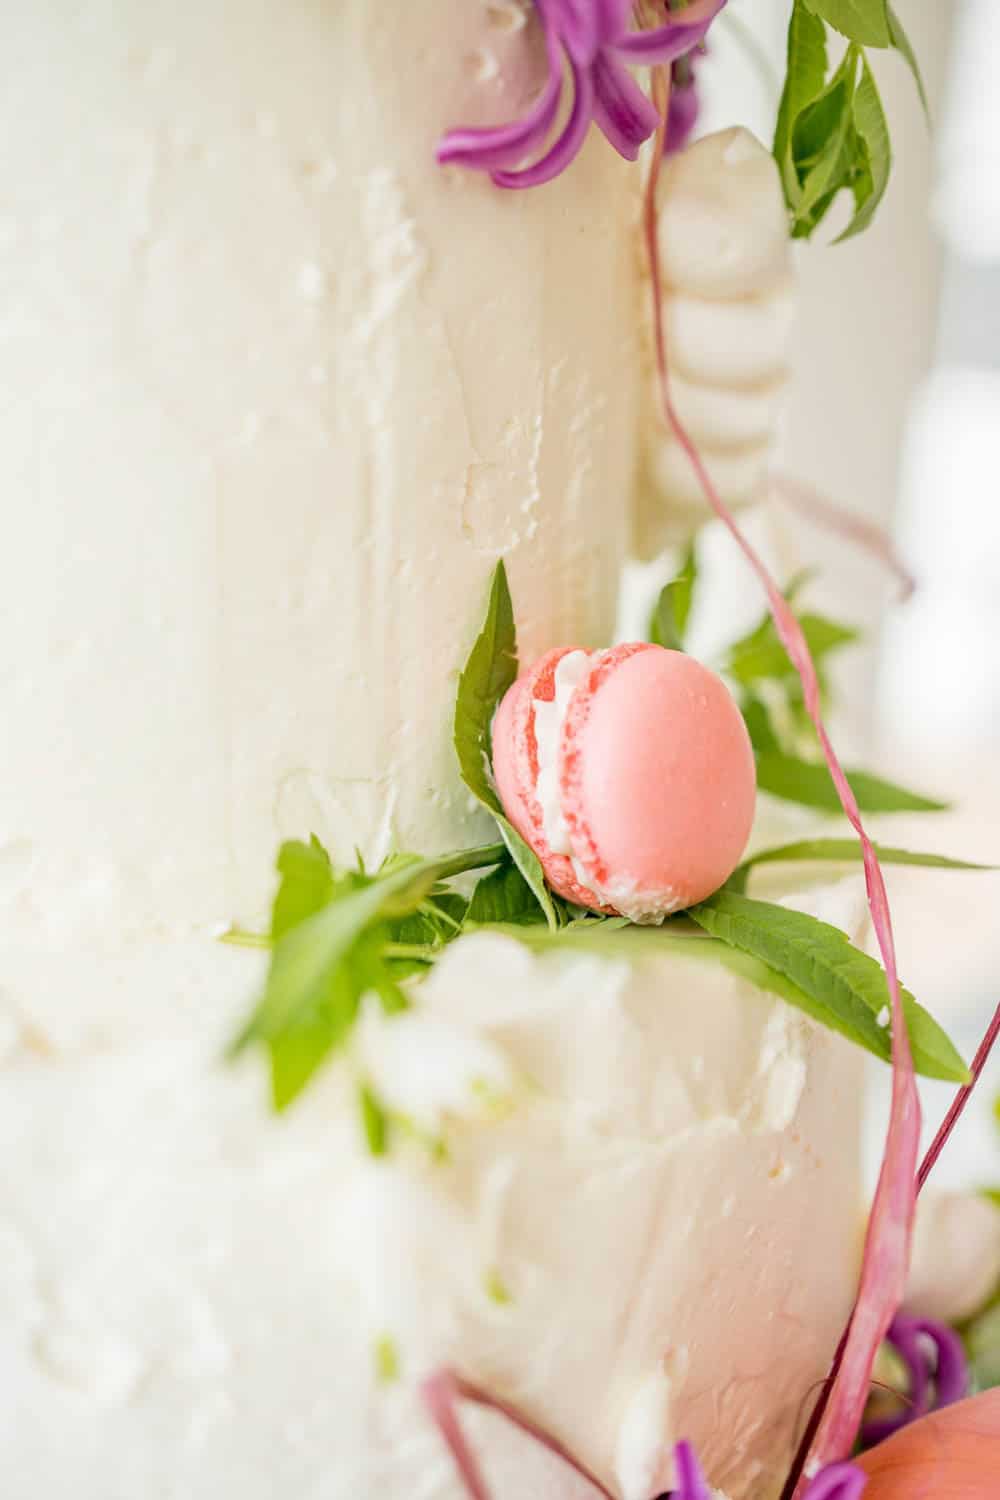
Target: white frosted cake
281 390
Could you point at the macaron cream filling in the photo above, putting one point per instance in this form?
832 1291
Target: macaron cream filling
549 718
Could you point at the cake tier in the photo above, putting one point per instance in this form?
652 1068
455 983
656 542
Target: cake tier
280 392
624 1199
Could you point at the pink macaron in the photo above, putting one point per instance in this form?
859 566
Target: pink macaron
630 774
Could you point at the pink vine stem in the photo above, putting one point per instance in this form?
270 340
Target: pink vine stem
861 533
441 1393
960 1100
836 1417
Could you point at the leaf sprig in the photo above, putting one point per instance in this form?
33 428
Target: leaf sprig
831 134
769 693
339 935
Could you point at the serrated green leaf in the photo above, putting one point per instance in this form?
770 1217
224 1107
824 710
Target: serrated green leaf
844 988
873 132
673 608
864 21
436 922
848 851
853 1013
901 42
760 654
306 885
503 896
757 718
489 671
824 143
323 965
805 75
530 867
809 783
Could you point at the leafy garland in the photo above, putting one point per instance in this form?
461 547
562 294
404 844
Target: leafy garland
337 935
831 132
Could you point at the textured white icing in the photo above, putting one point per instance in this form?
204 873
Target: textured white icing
281 391
198 1289
260 470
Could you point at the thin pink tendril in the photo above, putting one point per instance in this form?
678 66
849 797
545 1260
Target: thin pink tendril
837 1415
441 1393
960 1100
864 534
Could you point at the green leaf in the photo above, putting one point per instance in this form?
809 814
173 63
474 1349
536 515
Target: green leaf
673 608
804 79
873 132
436 922
759 727
682 940
761 655
503 896
324 963
307 884
844 988
901 42
848 851
809 783
824 144
488 673
528 863
864 21
374 1121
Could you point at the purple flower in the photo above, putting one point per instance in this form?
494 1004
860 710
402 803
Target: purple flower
837 1482
591 40
937 1373
690 1480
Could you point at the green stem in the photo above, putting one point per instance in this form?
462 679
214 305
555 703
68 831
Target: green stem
467 859
424 952
237 937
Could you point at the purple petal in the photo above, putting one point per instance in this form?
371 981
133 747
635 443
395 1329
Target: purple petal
621 108
837 1482
566 147
495 146
576 23
612 18
909 1337
690 1480
675 39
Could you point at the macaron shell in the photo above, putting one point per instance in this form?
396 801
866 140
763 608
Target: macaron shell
515 770
657 777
